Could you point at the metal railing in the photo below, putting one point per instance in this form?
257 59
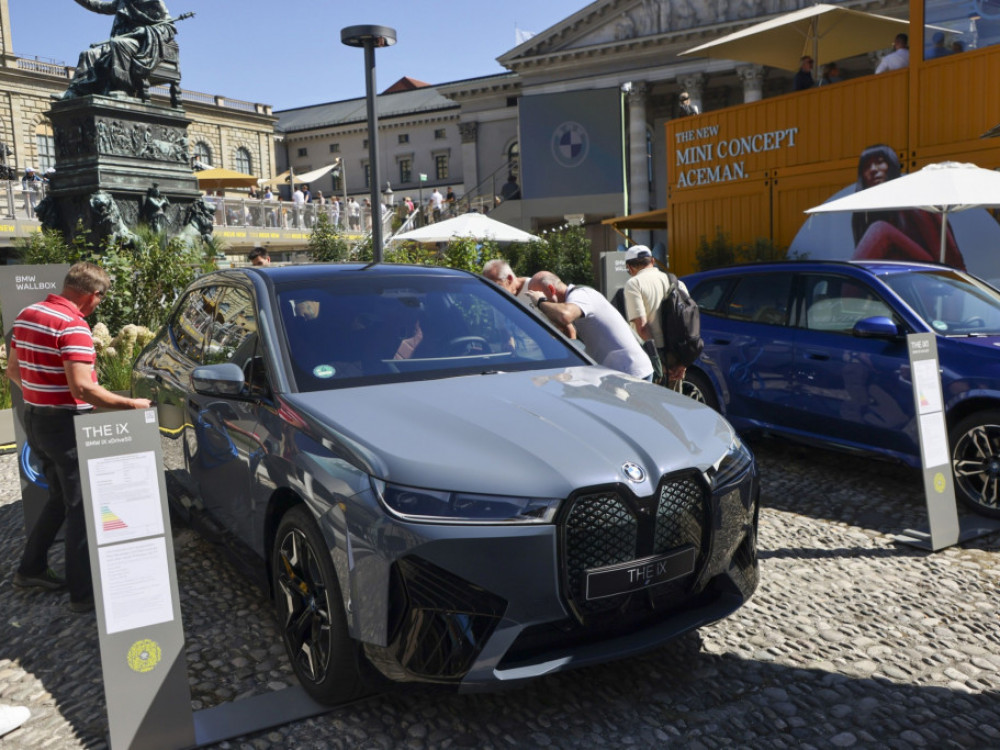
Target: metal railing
17 202
244 212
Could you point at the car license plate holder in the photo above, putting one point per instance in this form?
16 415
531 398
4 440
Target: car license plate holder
627 577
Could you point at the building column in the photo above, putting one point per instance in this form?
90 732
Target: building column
638 156
695 86
752 77
469 131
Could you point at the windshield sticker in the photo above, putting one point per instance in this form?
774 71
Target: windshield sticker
324 371
940 325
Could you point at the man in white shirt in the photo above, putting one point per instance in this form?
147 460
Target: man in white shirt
298 204
608 338
899 58
437 200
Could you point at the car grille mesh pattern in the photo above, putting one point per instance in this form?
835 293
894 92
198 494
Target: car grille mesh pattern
607 528
679 518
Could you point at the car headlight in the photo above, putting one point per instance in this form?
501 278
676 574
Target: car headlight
414 504
734 462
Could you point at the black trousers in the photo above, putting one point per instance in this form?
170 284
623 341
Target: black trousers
52 440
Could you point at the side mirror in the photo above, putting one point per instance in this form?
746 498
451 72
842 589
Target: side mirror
218 380
877 327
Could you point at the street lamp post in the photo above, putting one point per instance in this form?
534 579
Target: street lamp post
370 37
342 169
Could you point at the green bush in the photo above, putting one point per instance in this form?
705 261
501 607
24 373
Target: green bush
566 253
145 280
326 242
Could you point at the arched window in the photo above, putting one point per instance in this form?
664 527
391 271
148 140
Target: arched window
46 147
202 155
242 162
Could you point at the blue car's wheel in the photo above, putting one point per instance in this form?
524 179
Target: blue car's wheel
311 612
698 387
975 451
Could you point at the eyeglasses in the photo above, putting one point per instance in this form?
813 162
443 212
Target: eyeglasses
684 99
100 294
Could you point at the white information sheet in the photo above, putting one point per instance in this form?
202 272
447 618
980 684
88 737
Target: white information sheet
126 497
135 584
927 384
934 440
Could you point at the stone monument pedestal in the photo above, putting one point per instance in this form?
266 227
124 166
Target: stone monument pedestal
121 146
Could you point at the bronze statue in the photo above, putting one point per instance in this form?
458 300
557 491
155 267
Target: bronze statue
141 39
153 209
107 220
199 221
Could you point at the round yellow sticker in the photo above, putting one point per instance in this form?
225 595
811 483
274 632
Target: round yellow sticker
939 482
144 656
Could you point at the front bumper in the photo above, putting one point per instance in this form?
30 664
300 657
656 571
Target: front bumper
474 606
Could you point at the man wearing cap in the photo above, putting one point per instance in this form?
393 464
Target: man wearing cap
644 294
604 332
938 50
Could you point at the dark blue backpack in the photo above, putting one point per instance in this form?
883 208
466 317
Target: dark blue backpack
681 323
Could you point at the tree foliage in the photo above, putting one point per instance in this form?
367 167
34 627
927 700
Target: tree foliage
721 251
567 253
326 242
145 279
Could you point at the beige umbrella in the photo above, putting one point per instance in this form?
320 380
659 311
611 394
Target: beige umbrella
218 179
824 32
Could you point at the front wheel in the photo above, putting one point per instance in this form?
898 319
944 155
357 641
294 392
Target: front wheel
311 614
975 453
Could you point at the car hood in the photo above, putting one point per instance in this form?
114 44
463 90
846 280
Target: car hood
540 433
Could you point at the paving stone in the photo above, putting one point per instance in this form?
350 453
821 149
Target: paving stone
850 641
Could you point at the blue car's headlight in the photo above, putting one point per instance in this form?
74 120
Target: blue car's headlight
736 460
415 504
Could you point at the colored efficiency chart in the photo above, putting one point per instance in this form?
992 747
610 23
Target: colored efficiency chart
110 521
125 497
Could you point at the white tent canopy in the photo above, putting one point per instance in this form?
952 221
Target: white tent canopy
300 179
943 188
474 225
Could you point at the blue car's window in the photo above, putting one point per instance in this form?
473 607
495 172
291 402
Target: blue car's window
761 298
951 303
358 329
710 294
835 303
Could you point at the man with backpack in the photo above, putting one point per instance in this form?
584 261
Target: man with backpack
654 303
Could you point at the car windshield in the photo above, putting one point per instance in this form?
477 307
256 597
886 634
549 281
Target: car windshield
352 329
951 303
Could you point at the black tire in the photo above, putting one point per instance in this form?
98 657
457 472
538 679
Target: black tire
975 454
697 386
310 612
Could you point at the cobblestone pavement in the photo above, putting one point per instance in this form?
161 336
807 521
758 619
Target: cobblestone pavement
851 641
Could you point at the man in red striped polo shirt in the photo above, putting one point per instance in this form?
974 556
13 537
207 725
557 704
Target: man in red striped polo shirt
52 360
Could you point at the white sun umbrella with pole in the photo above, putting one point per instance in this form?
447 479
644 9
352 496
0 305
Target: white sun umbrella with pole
823 31
305 178
944 188
474 225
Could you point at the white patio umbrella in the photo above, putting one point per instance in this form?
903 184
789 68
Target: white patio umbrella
475 225
944 188
823 31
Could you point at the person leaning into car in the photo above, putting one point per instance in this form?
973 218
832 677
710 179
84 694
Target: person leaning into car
52 361
604 332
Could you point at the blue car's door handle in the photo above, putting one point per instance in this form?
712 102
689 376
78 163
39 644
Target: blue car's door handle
819 356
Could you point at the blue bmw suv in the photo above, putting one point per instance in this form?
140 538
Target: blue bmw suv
816 351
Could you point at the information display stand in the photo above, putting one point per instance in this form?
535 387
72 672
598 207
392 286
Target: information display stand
140 631
945 526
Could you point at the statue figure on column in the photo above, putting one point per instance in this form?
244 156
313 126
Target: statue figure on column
141 38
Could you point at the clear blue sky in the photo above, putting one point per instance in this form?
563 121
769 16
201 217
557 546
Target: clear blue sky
288 53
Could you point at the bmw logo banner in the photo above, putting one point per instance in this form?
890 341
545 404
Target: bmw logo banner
571 144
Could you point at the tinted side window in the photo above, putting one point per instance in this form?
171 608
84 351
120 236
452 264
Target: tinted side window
191 322
761 298
836 303
710 294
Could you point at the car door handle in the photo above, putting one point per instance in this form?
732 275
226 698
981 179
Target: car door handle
818 356
721 342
